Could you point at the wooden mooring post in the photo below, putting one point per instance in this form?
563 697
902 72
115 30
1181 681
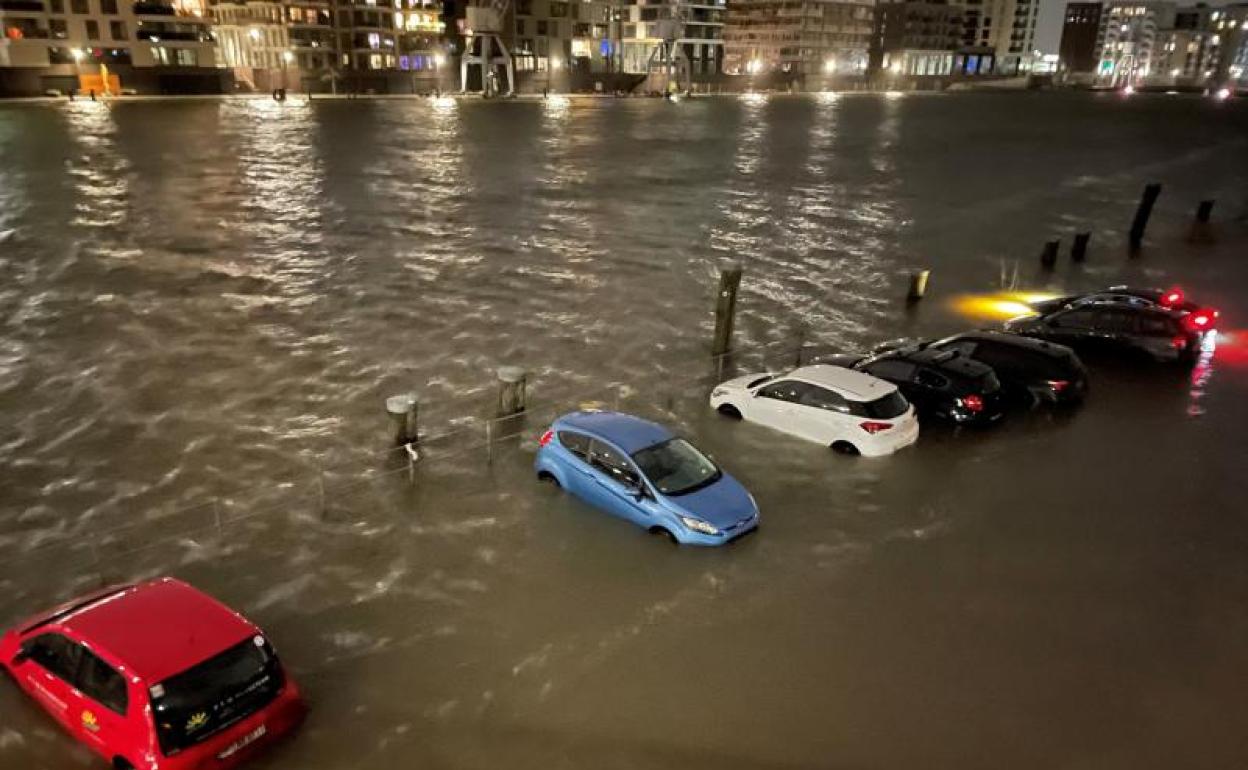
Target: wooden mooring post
404 411
725 309
1142 213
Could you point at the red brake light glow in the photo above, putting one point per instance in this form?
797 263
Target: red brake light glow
973 403
546 437
1059 385
874 427
1172 297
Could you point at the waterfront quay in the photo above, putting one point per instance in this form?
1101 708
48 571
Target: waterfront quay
205 305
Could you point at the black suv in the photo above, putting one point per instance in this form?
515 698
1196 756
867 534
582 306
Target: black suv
1031 371
939 383
1158 332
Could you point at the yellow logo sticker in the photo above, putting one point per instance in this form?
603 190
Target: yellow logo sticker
90 722
196 721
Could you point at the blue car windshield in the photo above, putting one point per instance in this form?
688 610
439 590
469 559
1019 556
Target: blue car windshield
676 467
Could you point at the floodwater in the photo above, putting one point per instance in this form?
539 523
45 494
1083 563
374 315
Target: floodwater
203 305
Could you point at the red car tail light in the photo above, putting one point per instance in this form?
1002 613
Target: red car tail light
1201 320
546 437
1059 385
874 427
1179 342
973 403
1172 298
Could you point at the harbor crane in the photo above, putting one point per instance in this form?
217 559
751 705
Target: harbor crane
484 47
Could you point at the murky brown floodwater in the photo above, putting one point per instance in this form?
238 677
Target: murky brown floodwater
203 303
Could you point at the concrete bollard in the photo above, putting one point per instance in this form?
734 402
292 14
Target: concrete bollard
918 285
1079 251
512 382
1048 257
403 410
1142 213
725 309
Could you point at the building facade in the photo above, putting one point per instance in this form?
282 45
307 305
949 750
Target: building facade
810 38
924 39
1008 27
107 46
1161 44
1081 26
694 27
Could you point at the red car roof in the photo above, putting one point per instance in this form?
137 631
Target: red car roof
159 628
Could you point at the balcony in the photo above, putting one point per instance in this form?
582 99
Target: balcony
157 36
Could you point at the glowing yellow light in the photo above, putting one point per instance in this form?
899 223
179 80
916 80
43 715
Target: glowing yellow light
1000 306
444 102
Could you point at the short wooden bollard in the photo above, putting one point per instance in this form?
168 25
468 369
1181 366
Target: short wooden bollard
403 410
918 285
1048 257
726 309
512 383
1142 213
1201 231
1079 251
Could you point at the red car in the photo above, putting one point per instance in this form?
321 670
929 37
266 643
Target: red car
155 676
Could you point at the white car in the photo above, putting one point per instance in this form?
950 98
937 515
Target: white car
850 411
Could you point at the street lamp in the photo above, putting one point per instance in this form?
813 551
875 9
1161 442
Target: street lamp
287 58
77 54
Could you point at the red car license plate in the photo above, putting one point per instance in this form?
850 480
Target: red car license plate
243 742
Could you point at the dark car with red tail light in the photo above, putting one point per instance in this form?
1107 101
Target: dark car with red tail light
155 676
1031 371
939 383
1153 330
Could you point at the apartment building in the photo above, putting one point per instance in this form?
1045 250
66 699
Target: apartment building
1008 27
920 38
1081 26
803 37
560 38
695 26
107 46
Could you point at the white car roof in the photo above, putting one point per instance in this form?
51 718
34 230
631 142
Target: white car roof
859 386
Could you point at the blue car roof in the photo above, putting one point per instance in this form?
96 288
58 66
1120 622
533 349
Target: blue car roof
624 430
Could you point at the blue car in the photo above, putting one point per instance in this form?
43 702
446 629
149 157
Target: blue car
644 473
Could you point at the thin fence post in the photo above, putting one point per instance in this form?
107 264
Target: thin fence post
412 457
320 485
489 442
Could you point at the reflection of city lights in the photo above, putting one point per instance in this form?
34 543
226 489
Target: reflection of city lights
1128 89
753 98
1000 306
444 102
1223 94
754 66
896 68
829 66
893 94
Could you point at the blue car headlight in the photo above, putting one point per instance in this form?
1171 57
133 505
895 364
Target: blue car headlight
697 525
